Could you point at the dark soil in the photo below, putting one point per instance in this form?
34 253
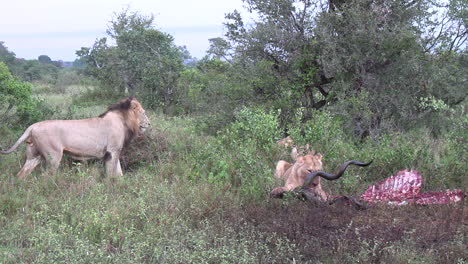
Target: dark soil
320 230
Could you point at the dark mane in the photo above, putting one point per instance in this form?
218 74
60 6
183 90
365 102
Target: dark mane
120 106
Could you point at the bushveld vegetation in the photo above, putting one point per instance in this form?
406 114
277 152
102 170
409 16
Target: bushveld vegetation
381 80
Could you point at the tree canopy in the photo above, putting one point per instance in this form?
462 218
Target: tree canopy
373 63
370 61
143 60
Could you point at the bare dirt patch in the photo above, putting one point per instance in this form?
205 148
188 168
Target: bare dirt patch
321 231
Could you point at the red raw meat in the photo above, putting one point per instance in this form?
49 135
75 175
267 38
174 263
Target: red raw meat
404 187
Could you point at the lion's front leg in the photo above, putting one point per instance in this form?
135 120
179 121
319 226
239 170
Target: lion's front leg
278 191
320 192
113 165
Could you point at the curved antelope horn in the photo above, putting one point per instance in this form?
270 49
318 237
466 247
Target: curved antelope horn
311 176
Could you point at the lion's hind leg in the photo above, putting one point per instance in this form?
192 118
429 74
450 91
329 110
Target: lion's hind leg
28 167
33 158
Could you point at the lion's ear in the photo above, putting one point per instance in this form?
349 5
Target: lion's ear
294 154
319 155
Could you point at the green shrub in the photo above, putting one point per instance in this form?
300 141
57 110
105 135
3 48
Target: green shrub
324 133
17 104
252 127
241 156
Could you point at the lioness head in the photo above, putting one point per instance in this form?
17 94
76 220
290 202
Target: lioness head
303 165
307 164
295 174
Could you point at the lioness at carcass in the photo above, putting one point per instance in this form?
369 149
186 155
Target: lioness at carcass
306 171
101 137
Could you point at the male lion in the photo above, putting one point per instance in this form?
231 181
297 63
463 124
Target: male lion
305 171
94 138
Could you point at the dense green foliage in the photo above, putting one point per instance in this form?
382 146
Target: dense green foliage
374 63
368 61
18 106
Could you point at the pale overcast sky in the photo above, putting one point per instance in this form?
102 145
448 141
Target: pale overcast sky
58 28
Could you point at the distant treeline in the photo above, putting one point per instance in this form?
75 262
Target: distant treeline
41 69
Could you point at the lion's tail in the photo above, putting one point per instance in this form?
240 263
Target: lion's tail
25 135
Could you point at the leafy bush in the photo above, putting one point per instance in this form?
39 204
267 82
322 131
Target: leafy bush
323 132
17 104
252 127
240 157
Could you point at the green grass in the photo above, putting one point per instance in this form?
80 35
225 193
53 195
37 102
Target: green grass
187 197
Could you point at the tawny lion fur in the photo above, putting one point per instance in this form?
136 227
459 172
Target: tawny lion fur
101 137
296 173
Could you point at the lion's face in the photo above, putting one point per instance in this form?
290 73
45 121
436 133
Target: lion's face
307 164
144 121
138 117
296 173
